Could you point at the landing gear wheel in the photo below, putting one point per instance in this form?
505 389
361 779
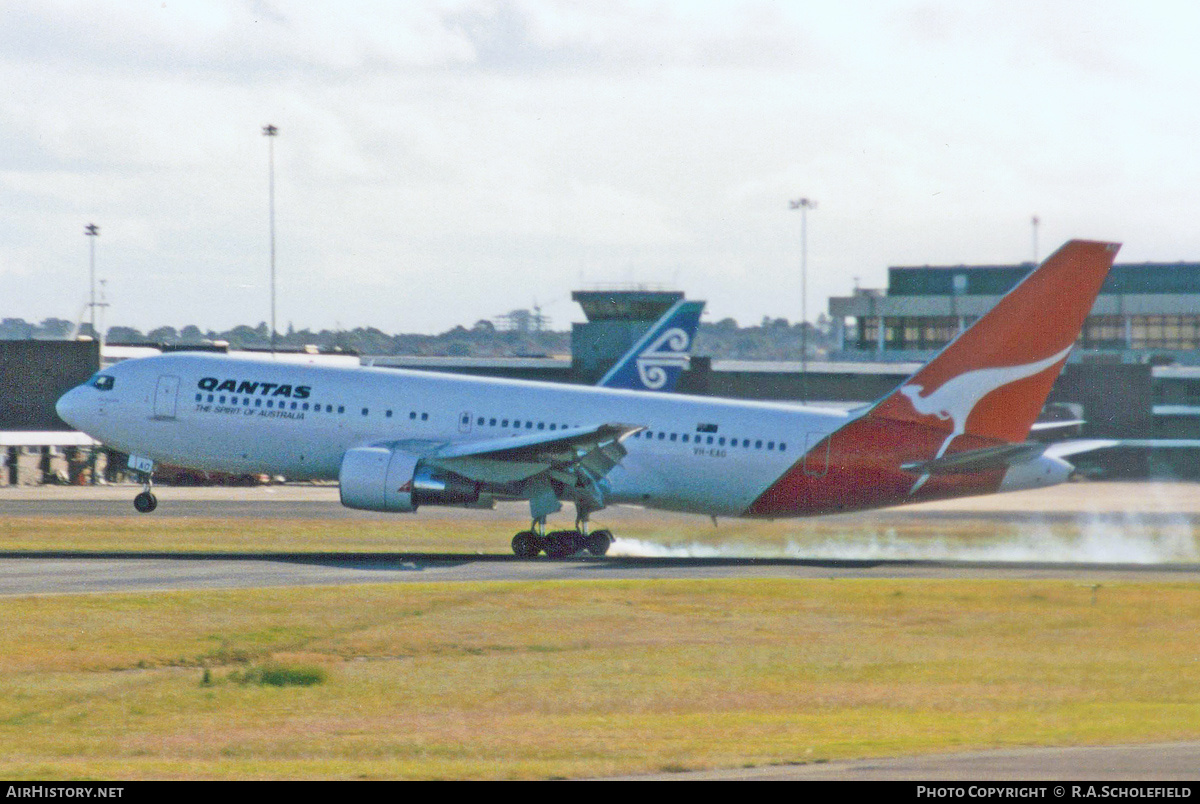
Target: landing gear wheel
525 544
562 544
598 542
145 502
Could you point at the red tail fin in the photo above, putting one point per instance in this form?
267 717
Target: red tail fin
993 379
984 389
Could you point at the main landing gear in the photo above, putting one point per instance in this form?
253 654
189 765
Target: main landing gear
560 544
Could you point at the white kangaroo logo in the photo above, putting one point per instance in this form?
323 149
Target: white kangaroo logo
956 399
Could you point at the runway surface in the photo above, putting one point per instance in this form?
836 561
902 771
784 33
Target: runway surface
1161 762
76 572
38 573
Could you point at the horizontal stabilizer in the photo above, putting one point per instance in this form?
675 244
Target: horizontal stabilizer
1041 427
1062 449
977 460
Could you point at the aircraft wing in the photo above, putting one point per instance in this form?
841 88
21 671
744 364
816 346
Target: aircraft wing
580 454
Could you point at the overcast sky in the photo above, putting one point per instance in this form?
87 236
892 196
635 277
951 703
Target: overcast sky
442 162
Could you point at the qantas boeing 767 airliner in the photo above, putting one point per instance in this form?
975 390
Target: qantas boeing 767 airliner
396 440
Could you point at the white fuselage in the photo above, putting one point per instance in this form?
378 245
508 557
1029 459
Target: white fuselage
244 415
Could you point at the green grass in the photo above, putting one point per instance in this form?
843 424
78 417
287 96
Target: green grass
276 675
490 532
544 680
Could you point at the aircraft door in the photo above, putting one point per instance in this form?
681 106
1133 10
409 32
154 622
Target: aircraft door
166 397
464 422
816 454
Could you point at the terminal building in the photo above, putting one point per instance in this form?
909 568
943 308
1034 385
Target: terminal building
1135 371
1146 312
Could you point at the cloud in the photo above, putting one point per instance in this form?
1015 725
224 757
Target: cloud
441 162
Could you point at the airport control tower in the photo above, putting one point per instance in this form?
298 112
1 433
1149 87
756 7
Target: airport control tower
615 320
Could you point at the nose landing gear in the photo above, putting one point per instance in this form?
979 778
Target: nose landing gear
146 501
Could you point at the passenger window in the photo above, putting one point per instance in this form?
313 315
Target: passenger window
424 416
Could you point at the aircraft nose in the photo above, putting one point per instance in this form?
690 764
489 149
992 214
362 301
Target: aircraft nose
70 408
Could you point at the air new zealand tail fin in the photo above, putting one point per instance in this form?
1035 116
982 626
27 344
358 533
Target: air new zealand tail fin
657 360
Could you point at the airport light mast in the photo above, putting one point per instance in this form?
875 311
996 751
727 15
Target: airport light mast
92 231
271 132
804 205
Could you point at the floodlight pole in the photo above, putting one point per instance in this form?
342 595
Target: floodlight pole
1035 221
804 205
271 132
92 231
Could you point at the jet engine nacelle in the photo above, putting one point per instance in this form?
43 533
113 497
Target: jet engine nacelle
1045 470
380 479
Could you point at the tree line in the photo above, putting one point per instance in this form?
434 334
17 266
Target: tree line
772 339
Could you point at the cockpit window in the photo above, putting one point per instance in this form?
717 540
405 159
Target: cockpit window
103 382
